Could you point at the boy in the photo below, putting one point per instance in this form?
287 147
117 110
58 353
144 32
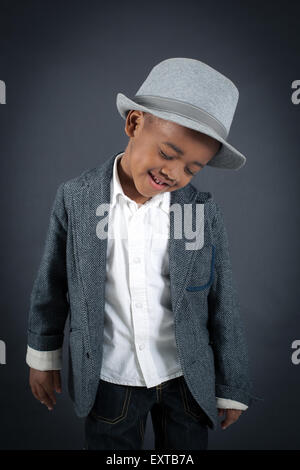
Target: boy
154 324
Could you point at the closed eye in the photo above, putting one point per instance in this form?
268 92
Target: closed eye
166 157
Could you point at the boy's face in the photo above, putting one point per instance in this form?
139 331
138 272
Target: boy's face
165 150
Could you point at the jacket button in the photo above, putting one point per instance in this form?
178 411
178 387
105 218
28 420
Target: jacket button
87 355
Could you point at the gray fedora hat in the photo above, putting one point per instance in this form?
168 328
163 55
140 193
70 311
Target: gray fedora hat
193 94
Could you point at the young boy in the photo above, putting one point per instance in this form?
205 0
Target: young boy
154 321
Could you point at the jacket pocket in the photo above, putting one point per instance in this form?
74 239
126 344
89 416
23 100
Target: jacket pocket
206 279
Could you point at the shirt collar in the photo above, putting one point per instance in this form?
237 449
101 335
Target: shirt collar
161 200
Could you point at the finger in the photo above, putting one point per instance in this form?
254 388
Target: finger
227 422
57 381
43 397
50 392
34 392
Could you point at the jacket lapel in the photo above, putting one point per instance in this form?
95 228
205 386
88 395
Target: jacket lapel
180 259
91 249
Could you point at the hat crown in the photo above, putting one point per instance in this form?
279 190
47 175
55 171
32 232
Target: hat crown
195 83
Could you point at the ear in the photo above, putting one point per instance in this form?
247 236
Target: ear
134 119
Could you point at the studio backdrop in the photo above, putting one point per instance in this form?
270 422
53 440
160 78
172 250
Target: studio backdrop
62 64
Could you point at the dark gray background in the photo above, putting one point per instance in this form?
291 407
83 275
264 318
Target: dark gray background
63 63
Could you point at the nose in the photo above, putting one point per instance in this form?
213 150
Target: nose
167 177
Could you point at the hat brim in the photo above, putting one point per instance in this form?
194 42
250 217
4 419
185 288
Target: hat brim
227 157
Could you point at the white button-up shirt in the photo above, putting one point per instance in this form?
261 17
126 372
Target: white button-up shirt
139 345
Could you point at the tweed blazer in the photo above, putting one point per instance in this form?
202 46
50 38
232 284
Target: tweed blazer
70 281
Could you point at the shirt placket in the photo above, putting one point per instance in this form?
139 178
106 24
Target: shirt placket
138 246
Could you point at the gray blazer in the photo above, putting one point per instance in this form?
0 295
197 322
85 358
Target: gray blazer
70 280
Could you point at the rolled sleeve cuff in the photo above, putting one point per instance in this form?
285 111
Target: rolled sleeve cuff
44 360
226 403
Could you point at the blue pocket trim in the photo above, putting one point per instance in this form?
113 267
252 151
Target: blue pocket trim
204 286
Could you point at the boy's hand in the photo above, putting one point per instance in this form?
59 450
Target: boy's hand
231 416
43 384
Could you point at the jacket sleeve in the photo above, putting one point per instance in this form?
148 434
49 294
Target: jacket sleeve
226 326
49 305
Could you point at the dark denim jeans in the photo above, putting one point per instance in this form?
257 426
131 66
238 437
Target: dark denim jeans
119 414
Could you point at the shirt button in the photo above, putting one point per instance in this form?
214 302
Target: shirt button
138 305
136 260
141 346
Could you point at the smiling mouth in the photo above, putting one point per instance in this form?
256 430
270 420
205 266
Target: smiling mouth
157 182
